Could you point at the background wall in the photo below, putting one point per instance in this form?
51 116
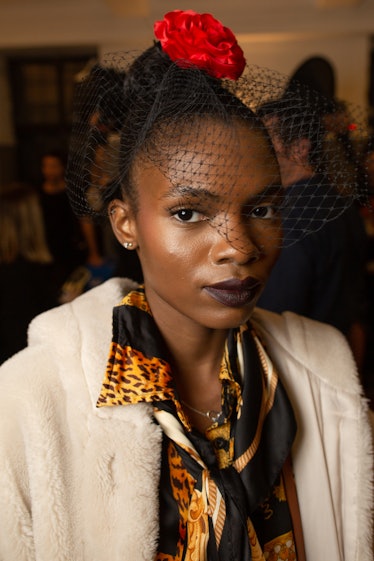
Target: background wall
279 34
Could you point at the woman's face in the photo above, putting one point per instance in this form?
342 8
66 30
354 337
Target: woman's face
206 235
52 168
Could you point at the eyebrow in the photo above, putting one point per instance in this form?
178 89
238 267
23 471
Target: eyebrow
192 192
269 191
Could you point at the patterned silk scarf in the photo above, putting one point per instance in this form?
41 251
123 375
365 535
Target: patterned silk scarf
222 494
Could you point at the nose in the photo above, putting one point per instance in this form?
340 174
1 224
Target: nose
235 245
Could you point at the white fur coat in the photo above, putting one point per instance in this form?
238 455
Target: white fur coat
79 483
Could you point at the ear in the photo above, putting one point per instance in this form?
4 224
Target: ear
300 151
122 220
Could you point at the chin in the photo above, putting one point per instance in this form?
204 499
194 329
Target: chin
230 319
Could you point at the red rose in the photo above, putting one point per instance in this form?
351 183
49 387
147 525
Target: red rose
201 40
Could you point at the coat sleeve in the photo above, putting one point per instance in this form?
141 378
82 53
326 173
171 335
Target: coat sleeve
34 511
332 453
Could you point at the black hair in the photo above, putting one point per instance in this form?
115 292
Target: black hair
148 108
297 118
143 109
164 99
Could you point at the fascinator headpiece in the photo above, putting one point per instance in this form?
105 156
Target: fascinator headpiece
155 104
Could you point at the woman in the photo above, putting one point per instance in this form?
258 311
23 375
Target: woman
217 431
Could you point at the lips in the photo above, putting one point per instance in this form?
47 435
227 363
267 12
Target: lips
235 293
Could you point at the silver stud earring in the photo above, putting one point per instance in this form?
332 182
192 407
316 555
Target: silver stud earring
127 245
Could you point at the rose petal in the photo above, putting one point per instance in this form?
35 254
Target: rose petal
202 40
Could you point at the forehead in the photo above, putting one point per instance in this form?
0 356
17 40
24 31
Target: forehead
51 160
220 157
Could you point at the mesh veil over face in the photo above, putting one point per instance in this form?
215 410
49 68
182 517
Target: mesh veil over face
152 110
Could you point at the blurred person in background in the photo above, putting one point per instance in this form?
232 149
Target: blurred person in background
321 276
27 275
104 149
73 243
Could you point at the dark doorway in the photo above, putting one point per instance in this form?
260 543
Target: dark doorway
42 88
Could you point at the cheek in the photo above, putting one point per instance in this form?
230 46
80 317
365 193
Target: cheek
271 248
268 235
164 251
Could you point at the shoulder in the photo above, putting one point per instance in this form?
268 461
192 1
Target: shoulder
63 364
319 348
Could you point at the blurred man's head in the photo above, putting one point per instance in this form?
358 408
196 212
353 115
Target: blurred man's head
295 131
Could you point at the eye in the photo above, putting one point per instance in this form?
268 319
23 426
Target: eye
265 212
188 215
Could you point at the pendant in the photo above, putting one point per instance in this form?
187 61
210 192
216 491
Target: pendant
214 416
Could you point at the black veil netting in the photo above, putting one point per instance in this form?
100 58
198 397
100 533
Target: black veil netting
172 115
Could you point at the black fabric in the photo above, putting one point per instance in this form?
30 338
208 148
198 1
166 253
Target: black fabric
140 327
277 434
63 233
322 275
26 290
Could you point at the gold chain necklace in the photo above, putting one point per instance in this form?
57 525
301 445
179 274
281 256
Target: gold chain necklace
212 415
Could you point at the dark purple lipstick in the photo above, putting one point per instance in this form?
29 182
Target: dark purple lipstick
235 293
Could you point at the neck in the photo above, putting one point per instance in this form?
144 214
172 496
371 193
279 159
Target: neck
54 186
196 367
195 356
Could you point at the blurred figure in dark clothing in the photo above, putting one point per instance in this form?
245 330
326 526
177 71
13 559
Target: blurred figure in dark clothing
73 242
321 276
63 232
27 275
